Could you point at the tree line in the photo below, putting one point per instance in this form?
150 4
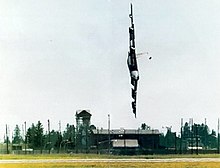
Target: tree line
37 138
192 136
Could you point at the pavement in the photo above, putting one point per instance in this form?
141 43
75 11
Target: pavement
110 160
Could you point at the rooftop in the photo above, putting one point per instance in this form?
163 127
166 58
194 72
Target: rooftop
125 131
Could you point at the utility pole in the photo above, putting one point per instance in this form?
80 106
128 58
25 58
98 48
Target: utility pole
58 138
197 139
206 135
22 131
218 136
7 151
181 134
60 127
25 139
191 132
124 138
109 138
49 143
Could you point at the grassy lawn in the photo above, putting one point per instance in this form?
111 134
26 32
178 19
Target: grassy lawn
114 165
95 156
108 164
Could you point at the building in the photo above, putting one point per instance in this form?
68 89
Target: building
83 131
125 141
121 141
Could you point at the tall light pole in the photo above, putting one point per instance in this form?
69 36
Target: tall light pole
218 136
25 139
59 134
7 151
49 134
109 139
60 127
181 134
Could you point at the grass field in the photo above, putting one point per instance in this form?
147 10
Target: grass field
95 156
114 165
107 164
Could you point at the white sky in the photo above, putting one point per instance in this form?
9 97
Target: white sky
57 57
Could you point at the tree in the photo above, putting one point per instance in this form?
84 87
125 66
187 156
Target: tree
17 138
54 141
69 136
212 139
31 135
92 127
35 136
200 133
145 126
39 135
58 141
170 139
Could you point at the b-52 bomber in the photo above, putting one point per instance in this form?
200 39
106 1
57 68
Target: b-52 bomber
132 63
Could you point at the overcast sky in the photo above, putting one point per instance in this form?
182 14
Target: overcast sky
57 57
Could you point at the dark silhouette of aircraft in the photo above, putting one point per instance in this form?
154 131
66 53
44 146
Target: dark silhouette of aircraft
132 64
